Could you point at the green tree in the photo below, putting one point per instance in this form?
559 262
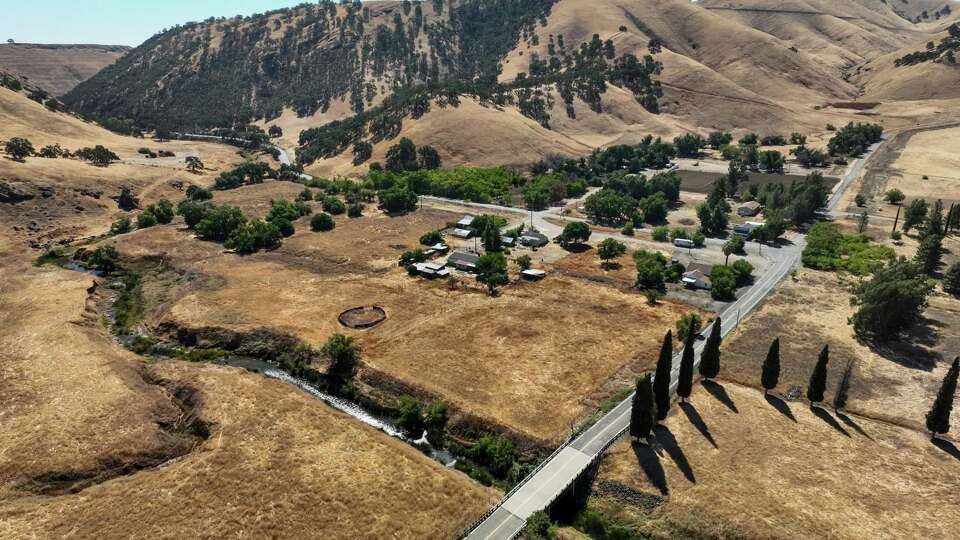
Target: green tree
147 218
689 145
435 418
344 355
219 223
842 394
689 322
661 380
733 246
362 151
724 283
938 419
575 232
492 271
610 249
538 526
163 211
410 418
743 271
322 222
929 253
951 281
194 164
402 156
105 259
643 409
770 373
685 380
771 161
333 206
710 357
18 148
818 379
197 193
429 158
651 270
891 301
491 239
894 196
431 238
397 199
915 214
192 212
121 226
523 262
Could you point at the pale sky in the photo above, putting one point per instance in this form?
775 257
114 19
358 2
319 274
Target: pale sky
113 22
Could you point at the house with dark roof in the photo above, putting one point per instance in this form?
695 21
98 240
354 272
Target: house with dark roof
462 260
697 276
531 238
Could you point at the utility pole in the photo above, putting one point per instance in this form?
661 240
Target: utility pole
896 219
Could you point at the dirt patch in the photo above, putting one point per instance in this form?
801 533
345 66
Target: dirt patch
702 182
801 474
360 318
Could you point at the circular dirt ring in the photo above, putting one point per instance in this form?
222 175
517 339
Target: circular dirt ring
362 317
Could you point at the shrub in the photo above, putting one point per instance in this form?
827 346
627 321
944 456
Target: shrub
196 193
627 230
146 218
431 238
303 209
334 206
104 259
121 226
18 148
322 222
495 452
192 211
285 226
253 236
688 322
661 233
163 210
355 210
893 196
860 200
524 262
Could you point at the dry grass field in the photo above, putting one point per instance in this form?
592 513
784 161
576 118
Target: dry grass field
896 383
563 344
277 464
57 68
746 469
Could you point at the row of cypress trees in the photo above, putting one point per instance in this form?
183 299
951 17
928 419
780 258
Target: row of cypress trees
651 401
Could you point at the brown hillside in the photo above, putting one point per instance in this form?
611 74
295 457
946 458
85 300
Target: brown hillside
57 68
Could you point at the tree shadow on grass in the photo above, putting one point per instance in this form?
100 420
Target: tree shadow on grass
577 247
668 442
649 461
694 417
947 447
855 426
718 391
780 405
825 415
913 349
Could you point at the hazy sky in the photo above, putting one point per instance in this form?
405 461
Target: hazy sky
113 22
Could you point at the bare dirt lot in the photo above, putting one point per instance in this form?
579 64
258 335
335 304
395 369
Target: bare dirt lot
742 468
897 382
702 182
553 345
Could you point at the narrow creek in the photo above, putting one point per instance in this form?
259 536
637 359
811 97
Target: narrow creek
271 371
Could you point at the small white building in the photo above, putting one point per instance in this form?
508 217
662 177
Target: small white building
463 233
466 222
431 270
533 274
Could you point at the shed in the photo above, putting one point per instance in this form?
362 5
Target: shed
463 233
533 274
745 229
508 241
748 209
461 260
436 249
466 222
431 270
533 239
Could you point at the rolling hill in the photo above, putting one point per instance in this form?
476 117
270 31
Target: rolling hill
556 77
57 68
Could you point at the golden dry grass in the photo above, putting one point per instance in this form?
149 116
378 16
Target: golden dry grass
71 397
772 477
57 69
896 383
563 344
277 464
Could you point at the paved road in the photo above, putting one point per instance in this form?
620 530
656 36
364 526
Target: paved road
545 484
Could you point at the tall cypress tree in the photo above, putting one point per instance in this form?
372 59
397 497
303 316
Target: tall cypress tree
818 379
661 380
491 238
685 379
710 357
771 367
643 413
938 419
843 388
